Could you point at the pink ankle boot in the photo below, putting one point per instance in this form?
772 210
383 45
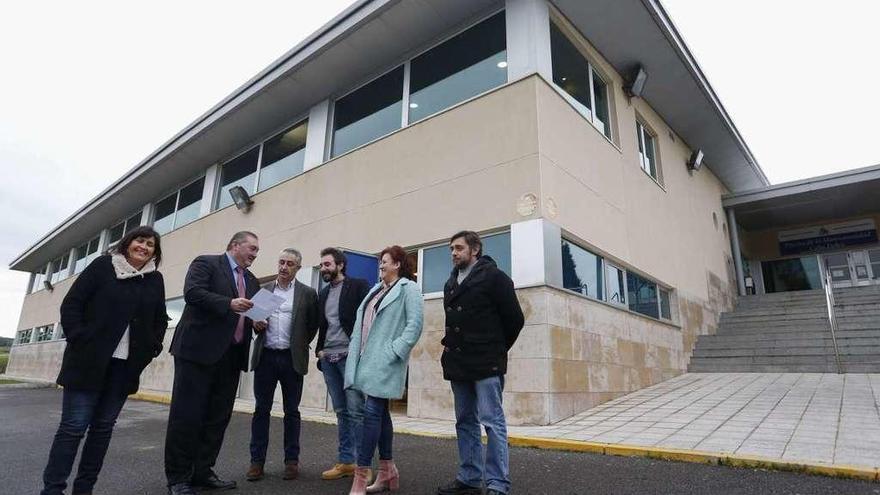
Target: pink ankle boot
362 476
388 478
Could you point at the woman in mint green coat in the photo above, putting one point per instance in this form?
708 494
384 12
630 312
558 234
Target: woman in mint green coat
387 327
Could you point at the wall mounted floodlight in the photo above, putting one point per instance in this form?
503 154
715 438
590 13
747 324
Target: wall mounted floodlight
695 161
636 84
48 285
241 198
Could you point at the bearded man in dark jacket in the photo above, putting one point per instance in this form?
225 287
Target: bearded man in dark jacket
483 320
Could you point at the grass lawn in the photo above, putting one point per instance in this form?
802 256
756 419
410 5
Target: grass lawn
4 358
4 381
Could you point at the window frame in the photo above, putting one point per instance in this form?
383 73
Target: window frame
19 333
623 305
421 259
176 194
87 243
642 130
44 333
300 121
573 36
37 283
405 121
218 186
404 118
126 228
58 272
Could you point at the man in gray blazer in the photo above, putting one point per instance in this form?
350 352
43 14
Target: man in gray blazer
281 355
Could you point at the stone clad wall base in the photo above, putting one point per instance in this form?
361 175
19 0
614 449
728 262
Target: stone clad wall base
39 362
573 354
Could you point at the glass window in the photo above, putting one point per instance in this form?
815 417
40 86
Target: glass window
792 274
464 66
39 277
118 231
874 257
569 69
647 156
283 156
59 331
581 271
615 281
85 254
574 74
24 336
115 234
368 113
164 214
642 295
240 171
190 203
133 221
44 333
437 264
179 208
600 103
174 310
665 309
60 268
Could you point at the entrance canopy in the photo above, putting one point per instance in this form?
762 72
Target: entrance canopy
799 231
818 199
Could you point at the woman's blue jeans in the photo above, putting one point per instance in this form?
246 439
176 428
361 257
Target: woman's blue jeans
94 411
378 430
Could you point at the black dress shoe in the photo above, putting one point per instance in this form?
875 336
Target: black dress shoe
212 482
459 488
181 489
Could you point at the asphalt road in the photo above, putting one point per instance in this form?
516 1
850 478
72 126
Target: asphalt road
28 419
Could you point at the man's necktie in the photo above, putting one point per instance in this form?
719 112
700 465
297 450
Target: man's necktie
239 282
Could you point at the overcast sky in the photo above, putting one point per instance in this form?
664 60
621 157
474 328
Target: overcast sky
90 90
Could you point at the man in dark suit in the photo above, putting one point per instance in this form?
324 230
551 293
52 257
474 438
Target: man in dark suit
210 349
281 355
338 303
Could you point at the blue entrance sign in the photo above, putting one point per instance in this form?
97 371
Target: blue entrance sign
827 238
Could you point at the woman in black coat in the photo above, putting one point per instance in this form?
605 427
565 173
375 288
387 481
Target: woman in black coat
114 319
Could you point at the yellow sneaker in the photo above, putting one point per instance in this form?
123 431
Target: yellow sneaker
338 471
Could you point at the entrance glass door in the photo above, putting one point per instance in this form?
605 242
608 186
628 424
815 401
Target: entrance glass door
838 266
852 268
874 258
861 267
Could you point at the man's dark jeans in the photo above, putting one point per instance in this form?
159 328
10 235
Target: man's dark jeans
276 366
81 410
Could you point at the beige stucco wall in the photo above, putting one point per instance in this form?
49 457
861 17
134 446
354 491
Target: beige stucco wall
467 168
410 188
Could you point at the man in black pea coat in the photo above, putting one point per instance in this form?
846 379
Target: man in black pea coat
483 320
210 348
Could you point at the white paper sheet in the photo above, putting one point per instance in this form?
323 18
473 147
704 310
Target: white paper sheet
265 303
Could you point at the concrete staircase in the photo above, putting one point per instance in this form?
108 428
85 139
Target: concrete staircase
789 332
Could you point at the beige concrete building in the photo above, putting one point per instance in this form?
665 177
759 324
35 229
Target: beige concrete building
571 133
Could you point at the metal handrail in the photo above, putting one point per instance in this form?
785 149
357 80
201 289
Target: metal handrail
832 319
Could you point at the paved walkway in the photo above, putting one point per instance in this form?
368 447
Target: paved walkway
133 466
798 417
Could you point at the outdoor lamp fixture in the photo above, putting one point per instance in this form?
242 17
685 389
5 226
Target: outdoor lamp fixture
636 85
695 161
48 285
241 198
